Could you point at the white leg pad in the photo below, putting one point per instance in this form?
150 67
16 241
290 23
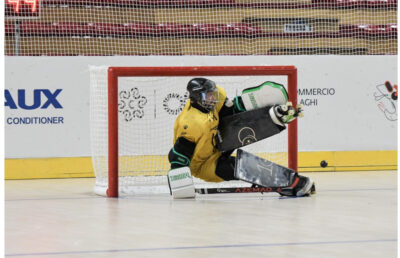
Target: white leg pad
267 94
181 183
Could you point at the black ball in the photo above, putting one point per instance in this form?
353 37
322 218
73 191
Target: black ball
324 164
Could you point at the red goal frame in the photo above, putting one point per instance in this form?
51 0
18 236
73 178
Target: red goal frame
115 72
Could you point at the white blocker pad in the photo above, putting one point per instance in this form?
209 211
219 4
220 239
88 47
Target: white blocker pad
262 172
267 94
180 183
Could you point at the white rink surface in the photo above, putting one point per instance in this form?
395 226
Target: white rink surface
353 214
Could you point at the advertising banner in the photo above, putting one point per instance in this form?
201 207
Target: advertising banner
350 102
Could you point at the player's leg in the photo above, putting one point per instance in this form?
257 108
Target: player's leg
219 167
259 171
245 128
269 94
207 171
266 94
225 168
303 186
262 172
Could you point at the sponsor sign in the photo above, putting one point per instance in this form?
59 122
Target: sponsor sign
310 96
131 104
174 103
386 100
297 26
47 110
27 101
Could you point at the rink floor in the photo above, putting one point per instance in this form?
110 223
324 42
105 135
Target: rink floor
353 214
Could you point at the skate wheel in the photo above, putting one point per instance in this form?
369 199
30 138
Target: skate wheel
284 108
299 106
291 112
289 104
301 114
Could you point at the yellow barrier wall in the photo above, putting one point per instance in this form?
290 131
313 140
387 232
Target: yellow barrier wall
308 162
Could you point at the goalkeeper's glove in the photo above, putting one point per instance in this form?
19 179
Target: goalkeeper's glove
284 114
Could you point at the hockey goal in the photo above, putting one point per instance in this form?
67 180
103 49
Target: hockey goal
132 113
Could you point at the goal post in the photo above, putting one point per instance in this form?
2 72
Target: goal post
114 75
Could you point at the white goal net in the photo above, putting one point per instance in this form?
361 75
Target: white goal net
147 108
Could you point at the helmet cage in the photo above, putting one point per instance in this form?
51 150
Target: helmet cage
209 99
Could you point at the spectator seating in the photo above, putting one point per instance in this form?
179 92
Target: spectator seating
132 30
227 3
89 27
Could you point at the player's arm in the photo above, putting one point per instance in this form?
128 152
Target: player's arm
180 180
181 153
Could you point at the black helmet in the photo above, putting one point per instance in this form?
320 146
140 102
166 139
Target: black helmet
204 92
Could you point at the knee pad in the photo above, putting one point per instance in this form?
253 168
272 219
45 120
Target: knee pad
226 168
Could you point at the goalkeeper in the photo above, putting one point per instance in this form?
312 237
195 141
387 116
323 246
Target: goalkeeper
196 127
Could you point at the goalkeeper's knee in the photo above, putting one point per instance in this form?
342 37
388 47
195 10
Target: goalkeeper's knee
225 168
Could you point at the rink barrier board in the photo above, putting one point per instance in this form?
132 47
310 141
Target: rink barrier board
76 167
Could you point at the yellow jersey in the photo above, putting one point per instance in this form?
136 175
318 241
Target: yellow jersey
201 128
